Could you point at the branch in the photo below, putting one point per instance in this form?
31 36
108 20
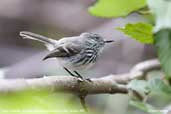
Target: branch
63 84
109 84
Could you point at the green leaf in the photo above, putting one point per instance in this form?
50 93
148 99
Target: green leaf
116 8
144 107
139 86
161 10
163 45
38 102
142 32
159 87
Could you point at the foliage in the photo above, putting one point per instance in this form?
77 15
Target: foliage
159 36
163 45
140 86
144 107
34 102
161 10
154 86
157 86
116 8
142 32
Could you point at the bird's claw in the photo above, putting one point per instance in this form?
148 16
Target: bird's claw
84 79
88 79
80 79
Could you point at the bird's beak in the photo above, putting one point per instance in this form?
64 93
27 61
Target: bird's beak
109 41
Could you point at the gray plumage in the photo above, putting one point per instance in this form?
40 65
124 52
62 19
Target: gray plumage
79 52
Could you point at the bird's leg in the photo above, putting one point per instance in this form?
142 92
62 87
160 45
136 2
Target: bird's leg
77 76
69 72
87 79
81 79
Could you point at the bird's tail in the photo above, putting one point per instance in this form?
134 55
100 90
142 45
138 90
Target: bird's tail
49 43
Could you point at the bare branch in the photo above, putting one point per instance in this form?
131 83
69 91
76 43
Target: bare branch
108 84
147 66
64 84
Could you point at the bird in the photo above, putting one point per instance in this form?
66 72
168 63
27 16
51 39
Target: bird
73 53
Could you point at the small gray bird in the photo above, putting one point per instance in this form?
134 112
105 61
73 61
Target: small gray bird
74 53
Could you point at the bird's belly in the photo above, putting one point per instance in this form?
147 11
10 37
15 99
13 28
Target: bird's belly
71 63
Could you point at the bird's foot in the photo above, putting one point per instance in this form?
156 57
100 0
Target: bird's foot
81 79
88 79
78 76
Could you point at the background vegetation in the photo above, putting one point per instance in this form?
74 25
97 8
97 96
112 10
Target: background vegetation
151 29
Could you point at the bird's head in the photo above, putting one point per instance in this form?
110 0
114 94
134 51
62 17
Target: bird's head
96 38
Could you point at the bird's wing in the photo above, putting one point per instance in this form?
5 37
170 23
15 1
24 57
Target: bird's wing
66 49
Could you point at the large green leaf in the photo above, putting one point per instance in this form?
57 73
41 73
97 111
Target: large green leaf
163 45
142 32
157 86
116 8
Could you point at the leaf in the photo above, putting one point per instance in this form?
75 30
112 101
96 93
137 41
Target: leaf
161 10
159 87
142 32
139 86
38 101
116 8
163 46
144 107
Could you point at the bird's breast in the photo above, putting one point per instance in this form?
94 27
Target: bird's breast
84 60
